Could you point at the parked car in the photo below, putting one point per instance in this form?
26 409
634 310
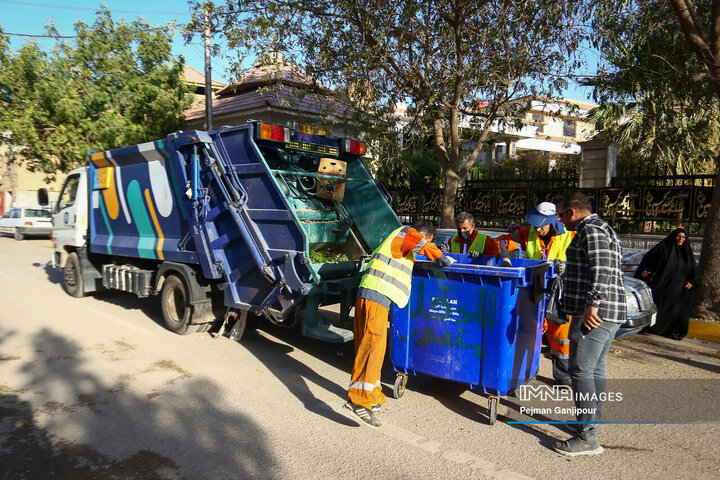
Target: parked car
641 309
22 222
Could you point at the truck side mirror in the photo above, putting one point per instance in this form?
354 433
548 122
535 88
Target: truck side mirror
42 196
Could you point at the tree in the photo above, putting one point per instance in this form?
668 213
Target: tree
460 66
117 84
667 54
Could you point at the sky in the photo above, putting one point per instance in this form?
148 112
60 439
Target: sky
29 17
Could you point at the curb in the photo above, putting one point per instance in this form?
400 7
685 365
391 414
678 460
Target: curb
704 331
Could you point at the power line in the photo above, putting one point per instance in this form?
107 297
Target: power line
36 36
89 9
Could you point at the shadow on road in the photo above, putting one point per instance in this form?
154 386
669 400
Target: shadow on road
187 431
294 374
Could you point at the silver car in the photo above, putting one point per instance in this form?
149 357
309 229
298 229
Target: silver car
22 222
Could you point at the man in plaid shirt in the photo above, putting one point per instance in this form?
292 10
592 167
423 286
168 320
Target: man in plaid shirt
595 296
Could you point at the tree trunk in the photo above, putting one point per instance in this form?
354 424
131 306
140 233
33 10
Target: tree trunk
707 296
447 214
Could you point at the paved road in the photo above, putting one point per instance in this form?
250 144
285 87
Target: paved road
98 388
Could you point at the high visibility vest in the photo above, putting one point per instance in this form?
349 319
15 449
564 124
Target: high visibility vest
390 276
558 246
478 245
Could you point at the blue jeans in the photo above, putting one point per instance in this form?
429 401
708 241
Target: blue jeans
587 370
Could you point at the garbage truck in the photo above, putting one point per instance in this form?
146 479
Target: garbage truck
244 222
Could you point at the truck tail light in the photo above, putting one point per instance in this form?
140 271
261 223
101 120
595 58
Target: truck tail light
355 146
28 223
274 132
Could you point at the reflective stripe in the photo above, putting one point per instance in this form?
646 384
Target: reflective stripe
563 341
402 232
392 262
399 273
419 246
365 385
388 278
557 354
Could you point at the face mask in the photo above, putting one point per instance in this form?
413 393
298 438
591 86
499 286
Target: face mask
465 235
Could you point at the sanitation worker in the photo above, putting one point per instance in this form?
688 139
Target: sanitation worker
545 239
387 280
468 240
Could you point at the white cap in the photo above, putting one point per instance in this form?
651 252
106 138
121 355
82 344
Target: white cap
546 208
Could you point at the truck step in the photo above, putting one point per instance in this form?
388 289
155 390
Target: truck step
127 278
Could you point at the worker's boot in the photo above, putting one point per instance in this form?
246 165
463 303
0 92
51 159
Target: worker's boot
366 416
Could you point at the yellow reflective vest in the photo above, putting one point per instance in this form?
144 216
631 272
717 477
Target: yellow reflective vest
478 245
559 245
390 276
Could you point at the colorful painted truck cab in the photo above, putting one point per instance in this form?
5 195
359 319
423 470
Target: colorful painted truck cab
225 225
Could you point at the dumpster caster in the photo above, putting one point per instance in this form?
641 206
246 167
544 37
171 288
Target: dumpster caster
492 408
399 385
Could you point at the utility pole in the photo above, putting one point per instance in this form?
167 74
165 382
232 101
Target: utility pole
208 71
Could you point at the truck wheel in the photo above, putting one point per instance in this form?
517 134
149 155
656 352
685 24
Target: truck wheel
18 235
72 276
177 312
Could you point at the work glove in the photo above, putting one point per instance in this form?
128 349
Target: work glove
446 261
475 254
559 267
505 262
444 247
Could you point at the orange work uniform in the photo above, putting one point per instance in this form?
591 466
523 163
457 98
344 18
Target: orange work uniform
371 320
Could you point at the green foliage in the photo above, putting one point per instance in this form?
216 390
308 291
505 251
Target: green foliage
650 100
327 256
117 84
409 172
448 62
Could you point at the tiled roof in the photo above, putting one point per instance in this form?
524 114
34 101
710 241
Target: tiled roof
281 96
194 77
278 73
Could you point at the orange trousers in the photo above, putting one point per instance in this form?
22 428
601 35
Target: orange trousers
559 339
371 324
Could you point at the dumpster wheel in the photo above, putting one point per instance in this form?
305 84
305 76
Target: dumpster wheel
493 402
399 385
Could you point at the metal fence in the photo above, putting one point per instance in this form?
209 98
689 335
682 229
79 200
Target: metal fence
637 207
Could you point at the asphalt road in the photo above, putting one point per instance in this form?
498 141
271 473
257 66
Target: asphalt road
98 388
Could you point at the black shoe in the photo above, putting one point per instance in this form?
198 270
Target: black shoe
365 415
576 446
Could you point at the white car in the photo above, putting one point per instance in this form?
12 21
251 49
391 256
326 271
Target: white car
22 222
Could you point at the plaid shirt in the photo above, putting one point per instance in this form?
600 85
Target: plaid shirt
593 274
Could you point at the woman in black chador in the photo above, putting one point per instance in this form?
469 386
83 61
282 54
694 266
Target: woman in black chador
669 268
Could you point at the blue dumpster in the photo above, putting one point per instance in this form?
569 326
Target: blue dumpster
475 323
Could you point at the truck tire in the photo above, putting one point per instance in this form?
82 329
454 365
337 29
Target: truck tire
18 234
176 309
72 276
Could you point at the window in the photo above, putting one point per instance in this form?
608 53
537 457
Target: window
36 212
14 213
537 119
67 197
569 128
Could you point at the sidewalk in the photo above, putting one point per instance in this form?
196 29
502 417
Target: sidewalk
704 331
696 345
